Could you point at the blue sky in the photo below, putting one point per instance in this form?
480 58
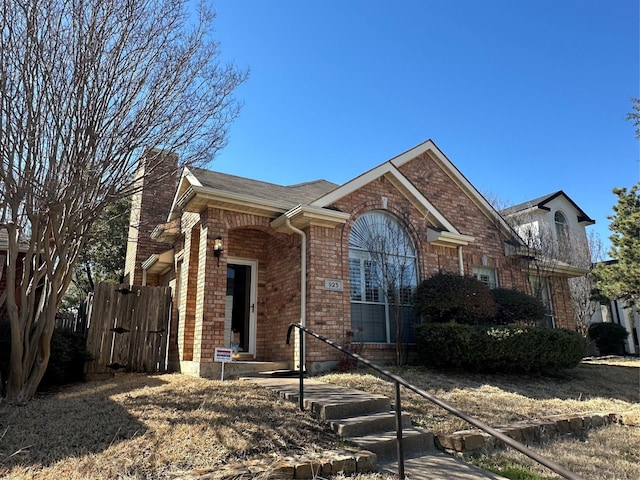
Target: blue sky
525 97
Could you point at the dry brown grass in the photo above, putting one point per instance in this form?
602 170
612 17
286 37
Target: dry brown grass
611 453
501 399
608 385
137 426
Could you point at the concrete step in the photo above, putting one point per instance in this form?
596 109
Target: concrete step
415 441
350 406
242 368
363 424
324 400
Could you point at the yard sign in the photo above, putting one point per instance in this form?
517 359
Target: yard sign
223 355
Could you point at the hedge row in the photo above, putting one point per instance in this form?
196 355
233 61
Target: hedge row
450 297
504 348
608 337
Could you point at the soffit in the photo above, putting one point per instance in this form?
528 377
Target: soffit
303 216
158 264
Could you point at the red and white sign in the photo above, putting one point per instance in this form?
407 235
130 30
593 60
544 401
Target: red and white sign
224 355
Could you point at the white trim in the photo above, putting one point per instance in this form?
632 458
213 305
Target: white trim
195 199
301 216
390 170
404 186
253 312
448 239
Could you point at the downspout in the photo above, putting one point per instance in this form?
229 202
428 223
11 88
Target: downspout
460 262
303 277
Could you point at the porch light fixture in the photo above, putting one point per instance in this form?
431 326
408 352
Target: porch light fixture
218 248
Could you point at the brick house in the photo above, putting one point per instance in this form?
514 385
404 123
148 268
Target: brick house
23 247
246 258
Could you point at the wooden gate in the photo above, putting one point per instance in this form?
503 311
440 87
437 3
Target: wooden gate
128 328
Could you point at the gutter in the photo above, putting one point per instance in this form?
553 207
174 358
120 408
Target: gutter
303 279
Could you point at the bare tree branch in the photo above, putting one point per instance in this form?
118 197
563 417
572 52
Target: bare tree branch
85 87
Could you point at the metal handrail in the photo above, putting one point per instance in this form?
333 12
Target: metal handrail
559 469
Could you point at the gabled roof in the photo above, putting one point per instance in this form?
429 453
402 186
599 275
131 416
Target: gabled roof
391 171
294 194
312 202
542 202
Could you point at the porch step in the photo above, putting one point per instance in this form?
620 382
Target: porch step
363 418
363 424
244 368
371 426
415 440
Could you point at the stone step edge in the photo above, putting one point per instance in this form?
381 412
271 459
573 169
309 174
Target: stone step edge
528 431
309 465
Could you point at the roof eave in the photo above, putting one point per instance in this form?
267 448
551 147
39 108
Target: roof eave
159 264
302 216
448 239
197 198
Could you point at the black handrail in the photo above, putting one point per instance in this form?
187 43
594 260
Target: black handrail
559 469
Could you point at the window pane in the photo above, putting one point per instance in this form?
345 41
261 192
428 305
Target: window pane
355 279
371 281
409 319
371 319
486 275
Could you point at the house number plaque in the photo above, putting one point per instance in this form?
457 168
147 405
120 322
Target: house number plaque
333 285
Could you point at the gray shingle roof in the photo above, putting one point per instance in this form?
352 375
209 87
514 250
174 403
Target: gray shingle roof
541 202
301 193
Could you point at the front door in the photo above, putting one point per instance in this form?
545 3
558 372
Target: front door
240 310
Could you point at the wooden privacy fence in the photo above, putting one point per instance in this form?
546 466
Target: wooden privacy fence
128 328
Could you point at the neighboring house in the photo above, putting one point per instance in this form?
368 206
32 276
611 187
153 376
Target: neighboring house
623 312
23 246
554 229
556 226
247 258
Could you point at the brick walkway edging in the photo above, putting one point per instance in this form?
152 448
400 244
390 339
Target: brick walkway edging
530 431
323 464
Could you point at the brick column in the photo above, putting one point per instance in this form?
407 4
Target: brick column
210 291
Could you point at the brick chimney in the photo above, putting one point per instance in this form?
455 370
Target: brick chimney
156 177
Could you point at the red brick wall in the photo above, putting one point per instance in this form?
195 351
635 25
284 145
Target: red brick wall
561 300
278 282
250 237
329 313
149 208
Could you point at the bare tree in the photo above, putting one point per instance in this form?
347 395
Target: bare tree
85 86
542 254
548 251
581 288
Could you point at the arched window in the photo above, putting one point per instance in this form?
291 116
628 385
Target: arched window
562 232
382 277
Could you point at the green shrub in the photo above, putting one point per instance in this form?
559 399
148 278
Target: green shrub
504 348
514 306
448 297
609 337
66 363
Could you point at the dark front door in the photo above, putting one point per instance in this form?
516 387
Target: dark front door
240 308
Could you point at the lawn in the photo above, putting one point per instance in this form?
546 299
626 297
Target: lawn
607 385
137 426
